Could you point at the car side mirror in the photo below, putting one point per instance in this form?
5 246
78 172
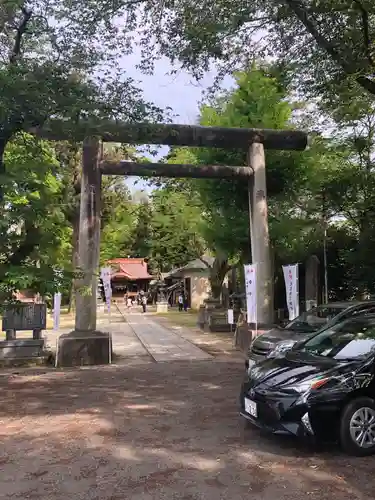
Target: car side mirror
298 345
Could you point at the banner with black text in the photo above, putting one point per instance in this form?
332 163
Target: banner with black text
105 275
251 292
292 292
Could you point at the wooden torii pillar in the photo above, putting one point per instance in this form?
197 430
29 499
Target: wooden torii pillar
254 141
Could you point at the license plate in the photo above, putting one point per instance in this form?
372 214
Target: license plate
251 408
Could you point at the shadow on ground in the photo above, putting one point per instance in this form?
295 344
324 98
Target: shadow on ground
155 431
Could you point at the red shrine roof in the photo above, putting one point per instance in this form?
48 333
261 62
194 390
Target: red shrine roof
131 269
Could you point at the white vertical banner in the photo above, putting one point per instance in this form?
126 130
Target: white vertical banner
251 292
105 275
230 317
292 292
56 310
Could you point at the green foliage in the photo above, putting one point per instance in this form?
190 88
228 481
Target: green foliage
51 51
141 239
118 219
30 212
164 229
58 61
258 100
332 181
35 237
175 229
325 41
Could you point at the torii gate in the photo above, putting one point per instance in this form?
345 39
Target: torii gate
255 141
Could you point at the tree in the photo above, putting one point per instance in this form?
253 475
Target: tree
57 61
259 100
141 233
350 196
175 228
119 220
327 41
35 236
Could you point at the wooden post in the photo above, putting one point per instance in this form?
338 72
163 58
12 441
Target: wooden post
89 237
260 244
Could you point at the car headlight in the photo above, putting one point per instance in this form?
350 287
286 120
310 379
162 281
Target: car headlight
309 385
281 348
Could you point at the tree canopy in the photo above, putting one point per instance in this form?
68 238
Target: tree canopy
35 234
325 42
58 61
329 183
258 100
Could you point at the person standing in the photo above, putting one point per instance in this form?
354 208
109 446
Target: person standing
129 303
144 303
180 302
185 303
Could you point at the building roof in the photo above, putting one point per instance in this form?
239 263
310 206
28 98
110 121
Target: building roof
131 269
196 265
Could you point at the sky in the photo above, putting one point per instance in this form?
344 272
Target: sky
180 92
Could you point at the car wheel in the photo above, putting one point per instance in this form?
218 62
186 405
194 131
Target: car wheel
357 427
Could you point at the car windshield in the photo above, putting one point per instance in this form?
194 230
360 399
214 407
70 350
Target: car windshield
315 319
351 339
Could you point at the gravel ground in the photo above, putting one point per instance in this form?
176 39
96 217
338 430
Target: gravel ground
155 431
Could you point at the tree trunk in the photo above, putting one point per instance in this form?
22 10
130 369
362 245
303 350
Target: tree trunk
27 247
218 271
3 143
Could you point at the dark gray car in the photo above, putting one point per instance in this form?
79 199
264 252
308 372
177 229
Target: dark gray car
306 325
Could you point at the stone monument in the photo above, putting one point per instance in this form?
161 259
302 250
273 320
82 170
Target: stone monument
23 317
161 301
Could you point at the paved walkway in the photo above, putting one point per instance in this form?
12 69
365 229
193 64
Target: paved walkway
163 344
136 335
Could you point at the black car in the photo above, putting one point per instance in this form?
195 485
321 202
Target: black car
322 388
305 326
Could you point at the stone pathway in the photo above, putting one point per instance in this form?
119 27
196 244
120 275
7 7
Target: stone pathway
220 345
136 335
125 342
163 344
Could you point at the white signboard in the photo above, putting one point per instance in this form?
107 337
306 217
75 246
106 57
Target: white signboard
230 317
56 310
251 292
105 275
291 287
